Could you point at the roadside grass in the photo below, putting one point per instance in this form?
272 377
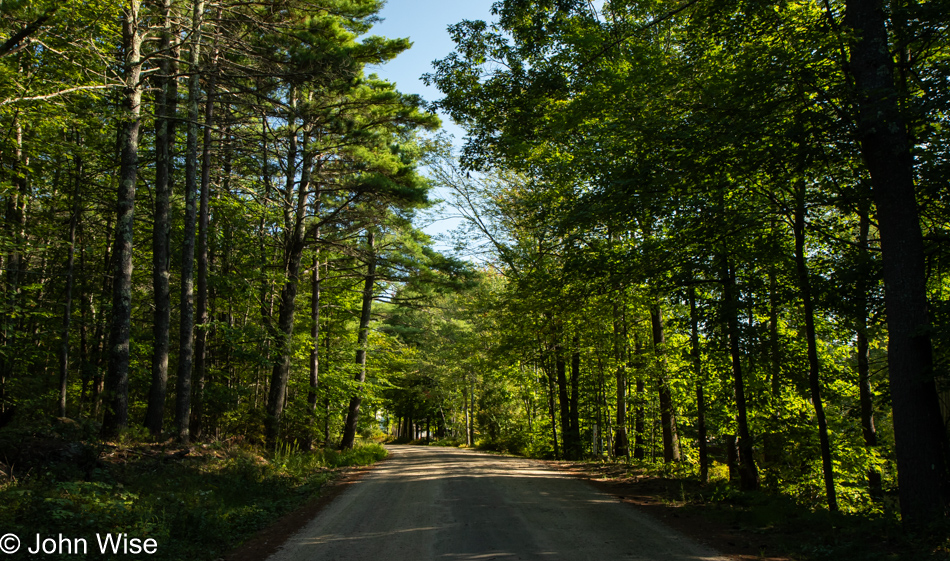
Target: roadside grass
197 503
800 531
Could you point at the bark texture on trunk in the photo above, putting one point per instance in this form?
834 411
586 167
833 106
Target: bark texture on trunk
295 211
919 435
166 106
204 217
120 333
186 352
353 413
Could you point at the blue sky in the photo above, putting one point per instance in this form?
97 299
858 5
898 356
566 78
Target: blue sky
424 22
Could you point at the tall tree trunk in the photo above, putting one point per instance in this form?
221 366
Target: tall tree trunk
576 444
294 244
748 474
204 217
187 333
166 106
326 396
671 442
551 410
919 435
99 351
468 417
120 334
84 307
67 311
471 405
564 400
772 442
814 380
875 487
621 442
14 262
696 356
315 338
639 415
352 415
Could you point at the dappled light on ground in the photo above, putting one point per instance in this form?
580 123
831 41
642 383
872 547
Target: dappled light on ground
451 504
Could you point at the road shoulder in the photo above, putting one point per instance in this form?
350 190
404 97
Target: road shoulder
267 541
656 497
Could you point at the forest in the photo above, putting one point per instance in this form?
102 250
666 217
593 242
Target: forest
713 234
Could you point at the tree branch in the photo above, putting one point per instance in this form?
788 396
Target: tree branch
13 42
55 94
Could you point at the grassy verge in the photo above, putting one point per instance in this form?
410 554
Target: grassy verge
196 503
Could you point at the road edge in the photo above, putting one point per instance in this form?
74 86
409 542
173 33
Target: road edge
727 541
268 540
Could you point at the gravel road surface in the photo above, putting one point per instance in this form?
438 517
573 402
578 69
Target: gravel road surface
444 503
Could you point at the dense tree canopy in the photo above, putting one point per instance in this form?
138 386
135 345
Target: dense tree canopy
248 144
740 177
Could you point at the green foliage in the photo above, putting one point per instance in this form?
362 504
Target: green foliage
197 507
621 159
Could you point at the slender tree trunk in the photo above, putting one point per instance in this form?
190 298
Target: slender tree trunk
326 397
732 457
639 416
468 417
748 474
204 217
551 410
621 442
919 435
15 261
166 105
352 415
98 380
696 356
84 366
315 338
442 423
117 379
576 443
186 353
471 397
772 443
564 401
671 442
294 244
875 486
814 381
67 311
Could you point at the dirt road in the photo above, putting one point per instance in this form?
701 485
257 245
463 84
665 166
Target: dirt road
445 503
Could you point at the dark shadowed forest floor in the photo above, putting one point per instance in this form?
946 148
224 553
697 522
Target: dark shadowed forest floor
758 526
